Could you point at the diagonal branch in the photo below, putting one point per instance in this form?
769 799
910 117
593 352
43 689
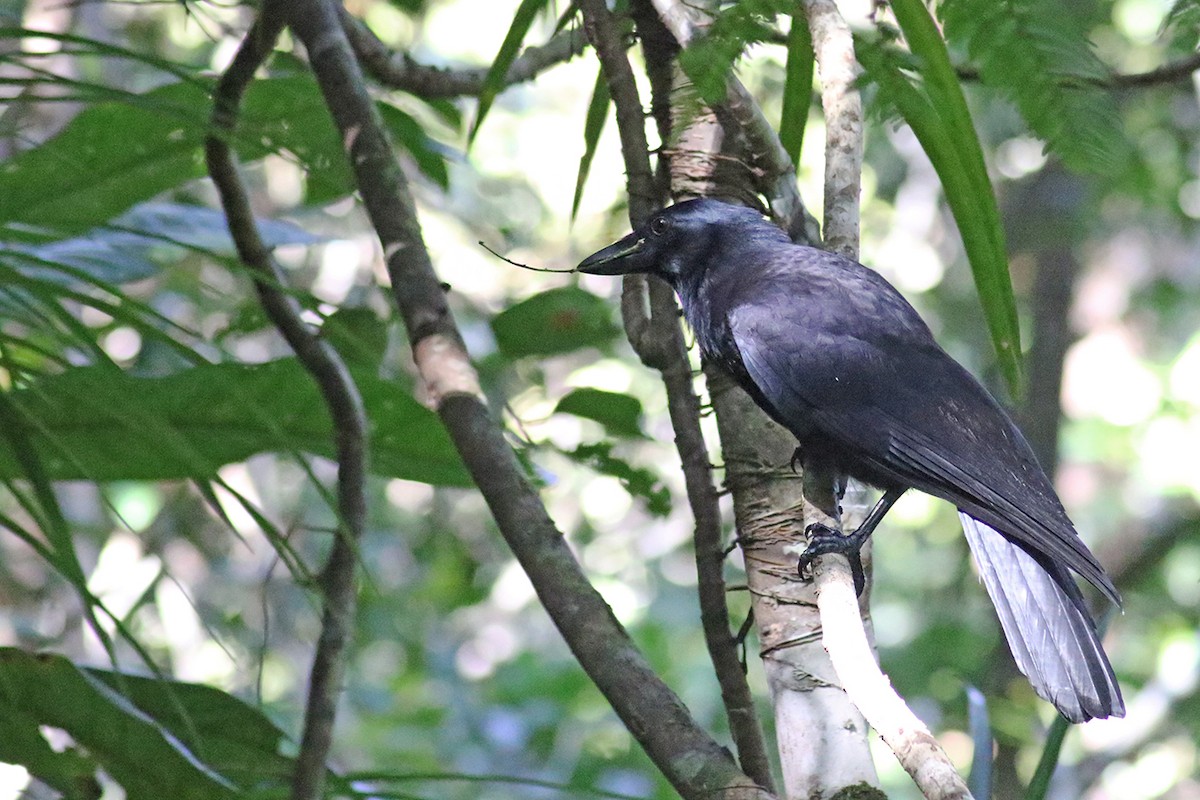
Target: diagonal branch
696 765
659 342
338 390
399 70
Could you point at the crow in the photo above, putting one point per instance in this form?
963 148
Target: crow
832 351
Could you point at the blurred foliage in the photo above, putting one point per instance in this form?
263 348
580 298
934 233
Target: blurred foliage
163 456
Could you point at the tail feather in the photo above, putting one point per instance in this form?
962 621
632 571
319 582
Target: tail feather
1048 627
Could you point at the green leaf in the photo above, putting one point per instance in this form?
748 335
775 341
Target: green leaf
620 414
99 423
597 113
225 733
118 153
109 157
494 81
1039 56
938 116
136 751
425 152
797 87
555 321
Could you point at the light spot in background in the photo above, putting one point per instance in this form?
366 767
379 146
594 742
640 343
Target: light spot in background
1140 20
1189 199
285 181
183 633
492 645
340 260
135 504
626 603
14 780
237 478
1019 156
605 501
1103 377
1166 453
512 590
122 573
894 623
1155 770
122 344
1184 379
409 495
607 374
911 262
913 510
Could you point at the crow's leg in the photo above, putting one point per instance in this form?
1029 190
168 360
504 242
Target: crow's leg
823 540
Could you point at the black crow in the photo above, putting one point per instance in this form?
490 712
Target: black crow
834 353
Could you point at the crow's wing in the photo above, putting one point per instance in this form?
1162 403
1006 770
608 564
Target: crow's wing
882 389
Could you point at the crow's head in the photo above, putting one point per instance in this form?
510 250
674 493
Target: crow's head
680 240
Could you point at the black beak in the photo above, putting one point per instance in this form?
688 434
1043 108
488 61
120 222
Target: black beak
616 259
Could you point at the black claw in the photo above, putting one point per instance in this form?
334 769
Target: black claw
796 459
824 540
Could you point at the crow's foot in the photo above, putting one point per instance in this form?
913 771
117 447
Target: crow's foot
824 540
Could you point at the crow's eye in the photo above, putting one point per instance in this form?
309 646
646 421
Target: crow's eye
659 225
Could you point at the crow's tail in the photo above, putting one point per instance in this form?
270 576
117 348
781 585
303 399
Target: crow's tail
1048 627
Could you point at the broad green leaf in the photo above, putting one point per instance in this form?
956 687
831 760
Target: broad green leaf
136 751
797 87
597 113
225 733
99 423
494 81
555 321
110 157
118 153
937 114
620 414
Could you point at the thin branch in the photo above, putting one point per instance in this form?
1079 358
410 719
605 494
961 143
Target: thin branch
338 391
658 340
398 70
833 46
1173 72
696 765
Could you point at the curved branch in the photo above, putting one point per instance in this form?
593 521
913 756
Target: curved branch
399 70
337 389
696 765
659 343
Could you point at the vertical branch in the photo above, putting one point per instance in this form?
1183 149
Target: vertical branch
688 757
834 50
337 389
822 737
843 631
658 341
